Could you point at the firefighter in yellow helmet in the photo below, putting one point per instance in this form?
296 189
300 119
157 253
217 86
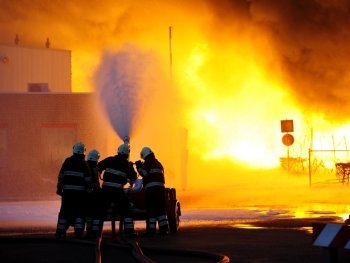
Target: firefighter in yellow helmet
152 173
74 179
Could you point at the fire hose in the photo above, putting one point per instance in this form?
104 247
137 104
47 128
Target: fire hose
136 252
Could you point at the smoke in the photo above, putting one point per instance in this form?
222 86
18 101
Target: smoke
310 41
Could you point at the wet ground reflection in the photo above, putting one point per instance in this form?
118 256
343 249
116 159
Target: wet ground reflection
41 216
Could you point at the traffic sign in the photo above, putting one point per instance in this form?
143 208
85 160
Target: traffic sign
288 139
287 126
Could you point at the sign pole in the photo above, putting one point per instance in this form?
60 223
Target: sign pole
287 139
309 167
288 157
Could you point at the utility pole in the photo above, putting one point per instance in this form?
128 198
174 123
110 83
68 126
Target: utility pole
170 54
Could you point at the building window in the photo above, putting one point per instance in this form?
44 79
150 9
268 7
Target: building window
38 87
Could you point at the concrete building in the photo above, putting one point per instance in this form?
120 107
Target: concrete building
32 69
41 119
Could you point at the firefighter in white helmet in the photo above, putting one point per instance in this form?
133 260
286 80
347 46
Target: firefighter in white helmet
74 179
152 173
117 172
93 219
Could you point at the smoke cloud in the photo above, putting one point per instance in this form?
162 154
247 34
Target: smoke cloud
309 38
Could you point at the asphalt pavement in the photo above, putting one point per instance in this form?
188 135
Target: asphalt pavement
268 241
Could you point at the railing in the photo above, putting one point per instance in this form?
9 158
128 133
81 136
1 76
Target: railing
342 172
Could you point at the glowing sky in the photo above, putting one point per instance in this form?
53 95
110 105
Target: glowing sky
238 68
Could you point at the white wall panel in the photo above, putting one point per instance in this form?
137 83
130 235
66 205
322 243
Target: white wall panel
20 66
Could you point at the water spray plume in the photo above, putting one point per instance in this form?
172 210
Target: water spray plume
119 81
126 139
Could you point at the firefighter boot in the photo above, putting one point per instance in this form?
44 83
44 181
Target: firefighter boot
62 226
79 226
129 229
97 225
163 225
89 228
151 226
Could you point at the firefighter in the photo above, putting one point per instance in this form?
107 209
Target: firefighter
93 218
152 173
117 172
74 179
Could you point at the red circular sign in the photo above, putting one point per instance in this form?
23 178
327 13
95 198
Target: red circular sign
287 139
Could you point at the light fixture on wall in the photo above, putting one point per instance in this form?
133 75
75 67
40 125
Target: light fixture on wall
4 59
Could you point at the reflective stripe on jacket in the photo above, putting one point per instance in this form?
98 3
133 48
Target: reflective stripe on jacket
74 174
117 171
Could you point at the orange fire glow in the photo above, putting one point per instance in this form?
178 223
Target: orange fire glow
238 68
229 116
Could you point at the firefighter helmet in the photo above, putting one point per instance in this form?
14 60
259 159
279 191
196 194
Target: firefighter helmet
93 155
145 152
124 149
79 148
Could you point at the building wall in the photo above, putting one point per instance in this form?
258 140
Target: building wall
24 69
38 131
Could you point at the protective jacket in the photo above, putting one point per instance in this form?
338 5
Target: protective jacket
74 174
95 184
118 171
152 172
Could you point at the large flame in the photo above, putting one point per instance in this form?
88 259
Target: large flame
235 106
